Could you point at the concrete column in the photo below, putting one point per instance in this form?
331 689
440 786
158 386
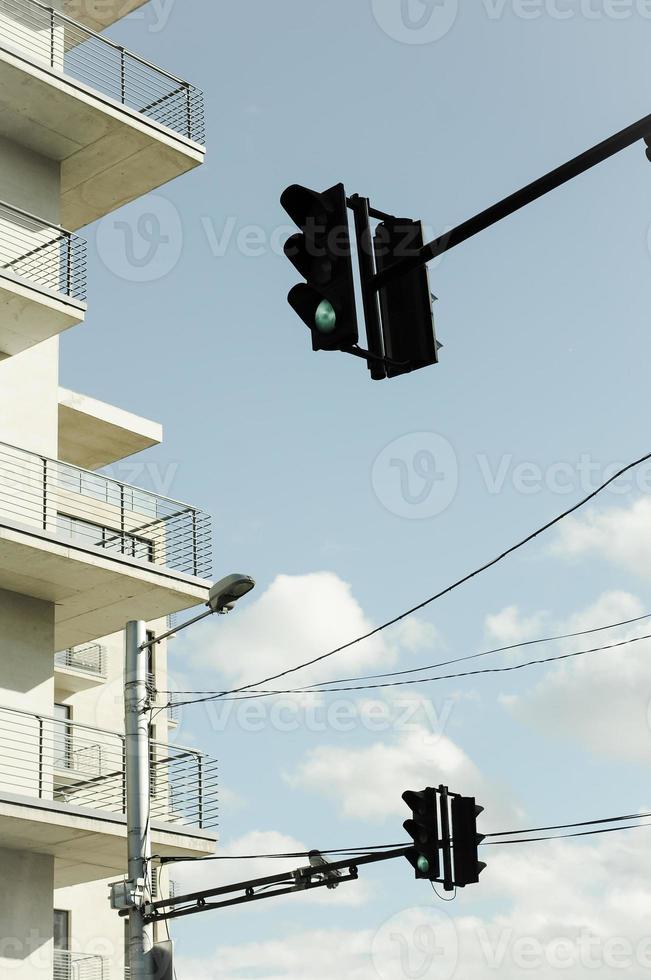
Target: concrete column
26 919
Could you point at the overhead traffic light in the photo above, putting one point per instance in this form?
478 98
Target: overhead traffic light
424 831
405 302
321 253
465 840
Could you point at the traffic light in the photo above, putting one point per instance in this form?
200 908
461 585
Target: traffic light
321 253
647 140
465 840
424 830
405 302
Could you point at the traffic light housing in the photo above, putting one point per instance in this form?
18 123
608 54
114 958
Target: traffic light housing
405 302
465 841
423 828
321 253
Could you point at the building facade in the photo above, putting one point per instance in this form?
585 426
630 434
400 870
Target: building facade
85 127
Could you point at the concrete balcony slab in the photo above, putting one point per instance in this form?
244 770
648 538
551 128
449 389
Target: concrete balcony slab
86 846
93 434
99 14
94 594
110 154
30 314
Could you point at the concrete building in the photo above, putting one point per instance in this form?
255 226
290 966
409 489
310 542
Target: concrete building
85 127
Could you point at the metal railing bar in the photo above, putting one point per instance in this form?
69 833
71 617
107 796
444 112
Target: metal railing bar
34 217
25 454
86 31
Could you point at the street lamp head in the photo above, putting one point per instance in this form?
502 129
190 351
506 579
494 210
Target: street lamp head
225 593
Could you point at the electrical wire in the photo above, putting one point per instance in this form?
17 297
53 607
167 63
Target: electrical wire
289 854
585 833
265 693
442 897
457 660
570 826
391 847
438 595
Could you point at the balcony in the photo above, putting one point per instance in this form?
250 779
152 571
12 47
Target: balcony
99 14
42 280
80 668
103 551
59 778
76 966
93 434
119 126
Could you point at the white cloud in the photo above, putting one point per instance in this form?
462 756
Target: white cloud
297 619
366 783
603 699
565 908
621 535
194 876
510 626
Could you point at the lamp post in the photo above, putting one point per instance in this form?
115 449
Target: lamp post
221 599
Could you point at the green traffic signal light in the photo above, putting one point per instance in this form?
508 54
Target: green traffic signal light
423 864
325 318
321 253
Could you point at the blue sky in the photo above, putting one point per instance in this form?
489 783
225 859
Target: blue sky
543 379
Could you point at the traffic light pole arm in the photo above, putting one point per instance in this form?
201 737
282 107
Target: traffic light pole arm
301 879
520 199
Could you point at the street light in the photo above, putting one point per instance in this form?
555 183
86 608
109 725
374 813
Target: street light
221 599
225 593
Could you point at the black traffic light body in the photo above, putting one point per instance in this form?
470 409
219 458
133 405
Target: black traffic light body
321 253
465 840
423 828
405 302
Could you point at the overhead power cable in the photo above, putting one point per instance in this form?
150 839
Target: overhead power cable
457 660
570 826
584 833
389 847
438 595
266 693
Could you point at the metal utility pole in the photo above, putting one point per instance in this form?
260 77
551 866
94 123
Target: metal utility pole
136 727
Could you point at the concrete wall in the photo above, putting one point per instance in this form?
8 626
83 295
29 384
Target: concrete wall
26 685
28 399
26 920
29 381
29 181
96 929
26 653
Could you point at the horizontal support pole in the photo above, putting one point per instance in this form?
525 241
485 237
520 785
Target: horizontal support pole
245 899
301 876
520 199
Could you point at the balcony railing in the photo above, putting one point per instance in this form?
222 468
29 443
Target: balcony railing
90 659
64 44
61 760
41 254
91 510
76 966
